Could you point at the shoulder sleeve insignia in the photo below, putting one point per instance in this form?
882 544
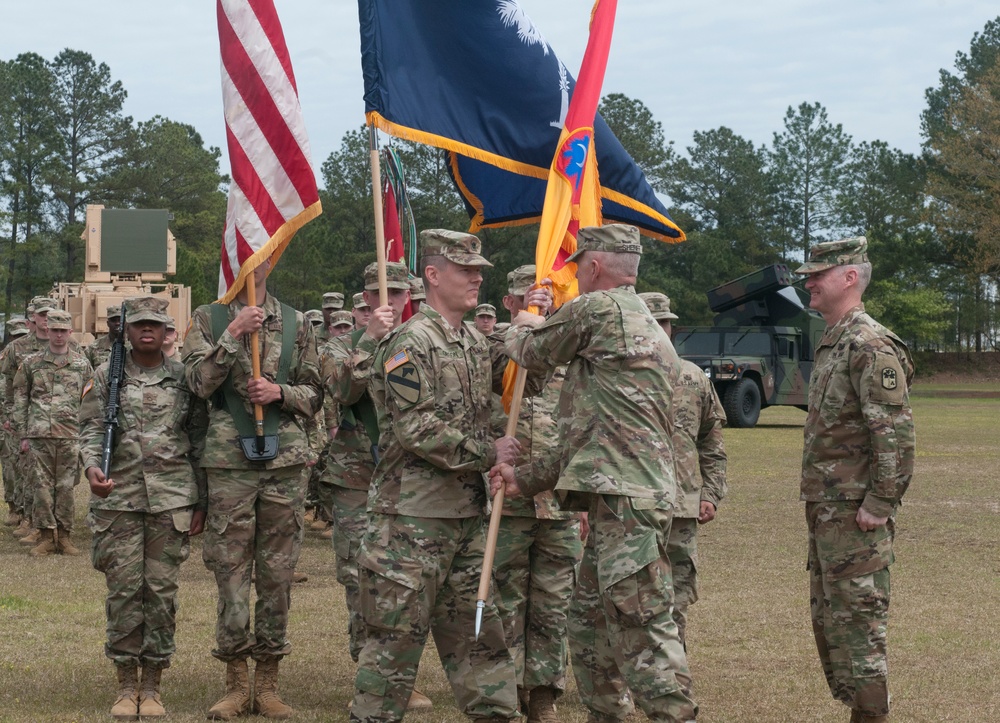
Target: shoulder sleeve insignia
90 385
889 379
404 383
888 385
401 358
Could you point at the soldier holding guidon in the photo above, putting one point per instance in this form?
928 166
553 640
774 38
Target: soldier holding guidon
857 462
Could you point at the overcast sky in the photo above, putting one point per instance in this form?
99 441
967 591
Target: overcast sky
697 65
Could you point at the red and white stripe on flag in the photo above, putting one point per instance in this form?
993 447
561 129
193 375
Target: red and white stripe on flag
273 189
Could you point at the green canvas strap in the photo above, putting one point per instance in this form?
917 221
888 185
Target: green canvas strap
362 410
232 401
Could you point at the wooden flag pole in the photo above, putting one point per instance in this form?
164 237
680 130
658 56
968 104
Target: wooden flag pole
383 291
497 512
258 411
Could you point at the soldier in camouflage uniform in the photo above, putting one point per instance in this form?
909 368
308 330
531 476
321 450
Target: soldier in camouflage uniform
16 328
417 294
615 430
333 301
98 352
255 509
170 348
486 318
857 462
361 310
14 353
143 513
420 558
700 454
538 548
47 391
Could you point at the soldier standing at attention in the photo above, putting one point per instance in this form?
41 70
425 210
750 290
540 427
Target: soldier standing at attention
857 461
420 558
361 310
616 429
700 454
98 352
538 548
16 328
417 294
142 515
47 392
255 508
333 301
170 350
486 318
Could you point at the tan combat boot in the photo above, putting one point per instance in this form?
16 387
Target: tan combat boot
31 538
65 545
46 544
149 694
419 701
266 701
299 577
126 707
23 529
542 706
236 701
13 518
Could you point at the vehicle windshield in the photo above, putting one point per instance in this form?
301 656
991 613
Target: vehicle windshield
712 343
697 343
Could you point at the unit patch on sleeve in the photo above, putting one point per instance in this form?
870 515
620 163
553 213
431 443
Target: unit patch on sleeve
402 379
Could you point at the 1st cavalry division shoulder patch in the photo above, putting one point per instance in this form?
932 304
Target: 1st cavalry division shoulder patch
402 378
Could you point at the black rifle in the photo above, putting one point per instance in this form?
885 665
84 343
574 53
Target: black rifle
116 377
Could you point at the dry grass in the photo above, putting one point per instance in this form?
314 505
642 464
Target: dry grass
752 651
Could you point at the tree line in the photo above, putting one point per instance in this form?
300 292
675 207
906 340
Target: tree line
932 219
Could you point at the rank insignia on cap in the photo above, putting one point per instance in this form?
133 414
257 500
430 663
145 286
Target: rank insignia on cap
404 383
889 379
401 358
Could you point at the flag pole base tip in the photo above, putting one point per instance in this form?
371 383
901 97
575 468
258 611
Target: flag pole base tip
254 451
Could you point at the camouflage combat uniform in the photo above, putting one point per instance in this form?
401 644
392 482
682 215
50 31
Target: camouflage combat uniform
141 528
421 556
99 351
255 509
615 427
700 456
538 554
22 493
858 452
47 392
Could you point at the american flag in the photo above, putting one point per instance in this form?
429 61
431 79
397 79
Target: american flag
273 191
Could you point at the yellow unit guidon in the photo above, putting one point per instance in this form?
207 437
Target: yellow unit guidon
401 358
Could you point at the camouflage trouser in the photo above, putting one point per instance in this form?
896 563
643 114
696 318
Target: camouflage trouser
8 456
254 523
350 519
682 551
849 602
140 554
535 573
24 484
417 576
622 632
55 470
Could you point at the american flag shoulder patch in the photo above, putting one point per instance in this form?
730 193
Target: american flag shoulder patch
399 360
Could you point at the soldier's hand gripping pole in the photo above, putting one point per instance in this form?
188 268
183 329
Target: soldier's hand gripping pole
258 411
497 513
116 377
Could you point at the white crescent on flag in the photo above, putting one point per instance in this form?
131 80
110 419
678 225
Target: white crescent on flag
273 190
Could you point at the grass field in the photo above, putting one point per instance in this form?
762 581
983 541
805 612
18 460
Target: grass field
752 653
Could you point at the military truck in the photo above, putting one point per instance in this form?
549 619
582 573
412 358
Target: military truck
129 252
759 352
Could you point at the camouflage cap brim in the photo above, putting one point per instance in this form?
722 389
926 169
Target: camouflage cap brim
466 259
813 267
146 315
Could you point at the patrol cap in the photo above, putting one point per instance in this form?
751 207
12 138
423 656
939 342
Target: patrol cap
520 280
486 310
845 252
615 238
147 308
314 317
113 311
17 326
333 300
59 319
462 248
396 276
658 305
417 289
358 302
44 304
341 318
171 324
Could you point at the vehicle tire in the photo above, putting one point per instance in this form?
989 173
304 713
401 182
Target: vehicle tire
742 403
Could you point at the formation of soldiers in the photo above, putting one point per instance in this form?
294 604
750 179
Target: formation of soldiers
392 434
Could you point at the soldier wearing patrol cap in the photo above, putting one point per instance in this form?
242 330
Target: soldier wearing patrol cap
417 294
616 455
143 513
361 310
170 349
47 391
486 318
701 460
99 351
538 547
314 317
17 327
857 462
431 380
341 322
